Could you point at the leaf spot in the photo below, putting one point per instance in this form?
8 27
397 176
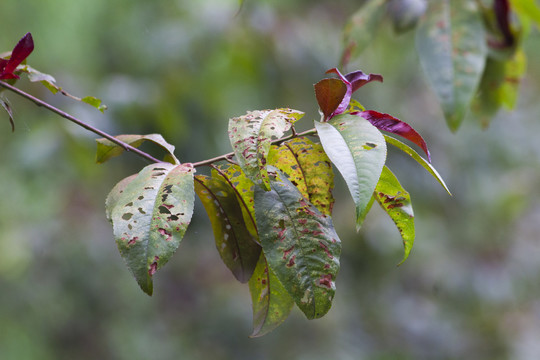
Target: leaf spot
127 216
153 267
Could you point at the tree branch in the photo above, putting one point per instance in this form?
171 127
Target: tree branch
226 157
73 119
125 146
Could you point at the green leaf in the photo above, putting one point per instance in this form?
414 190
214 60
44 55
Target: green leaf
499 86
308 167
396 201
362 28
300 244
358 150
95 102
50 83
251 136
452 47
234 242
106 149
412 153
150 214
527 8
271 302
243 187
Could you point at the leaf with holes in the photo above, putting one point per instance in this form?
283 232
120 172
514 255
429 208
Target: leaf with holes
452 49
150 214
251 136
412 153
358 150
308 167
271 302
106 149
300 244
243 187
396 201
235 244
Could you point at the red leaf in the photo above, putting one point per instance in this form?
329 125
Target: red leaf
502 14
395 126
24 47
330 93
359 79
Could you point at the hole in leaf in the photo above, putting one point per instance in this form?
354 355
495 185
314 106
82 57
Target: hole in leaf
127 216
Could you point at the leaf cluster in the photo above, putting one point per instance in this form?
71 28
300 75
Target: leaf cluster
270 201
470 50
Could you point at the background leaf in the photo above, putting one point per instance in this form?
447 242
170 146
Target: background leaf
251 135
362 28
452 48
358 150
300 244
235 244
396 201
106 149
150 214
271 302
412 153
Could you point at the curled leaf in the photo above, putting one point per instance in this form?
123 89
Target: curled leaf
106 149
236 245
5 105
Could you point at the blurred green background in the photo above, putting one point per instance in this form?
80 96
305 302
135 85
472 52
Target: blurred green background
470 289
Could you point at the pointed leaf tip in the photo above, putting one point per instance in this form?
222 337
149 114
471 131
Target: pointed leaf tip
395 126
20 52
396 201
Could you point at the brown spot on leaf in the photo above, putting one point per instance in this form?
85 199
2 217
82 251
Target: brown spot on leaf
325 248
325 281
291 261
165 233
153 267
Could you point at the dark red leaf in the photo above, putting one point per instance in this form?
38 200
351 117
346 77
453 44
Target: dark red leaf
356 79
330 94
24 47
359 79
395 126
502 13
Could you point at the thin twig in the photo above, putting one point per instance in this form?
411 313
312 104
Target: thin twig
228 156
73 119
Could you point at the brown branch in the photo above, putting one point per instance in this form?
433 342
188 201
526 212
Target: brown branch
228 156
73 119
